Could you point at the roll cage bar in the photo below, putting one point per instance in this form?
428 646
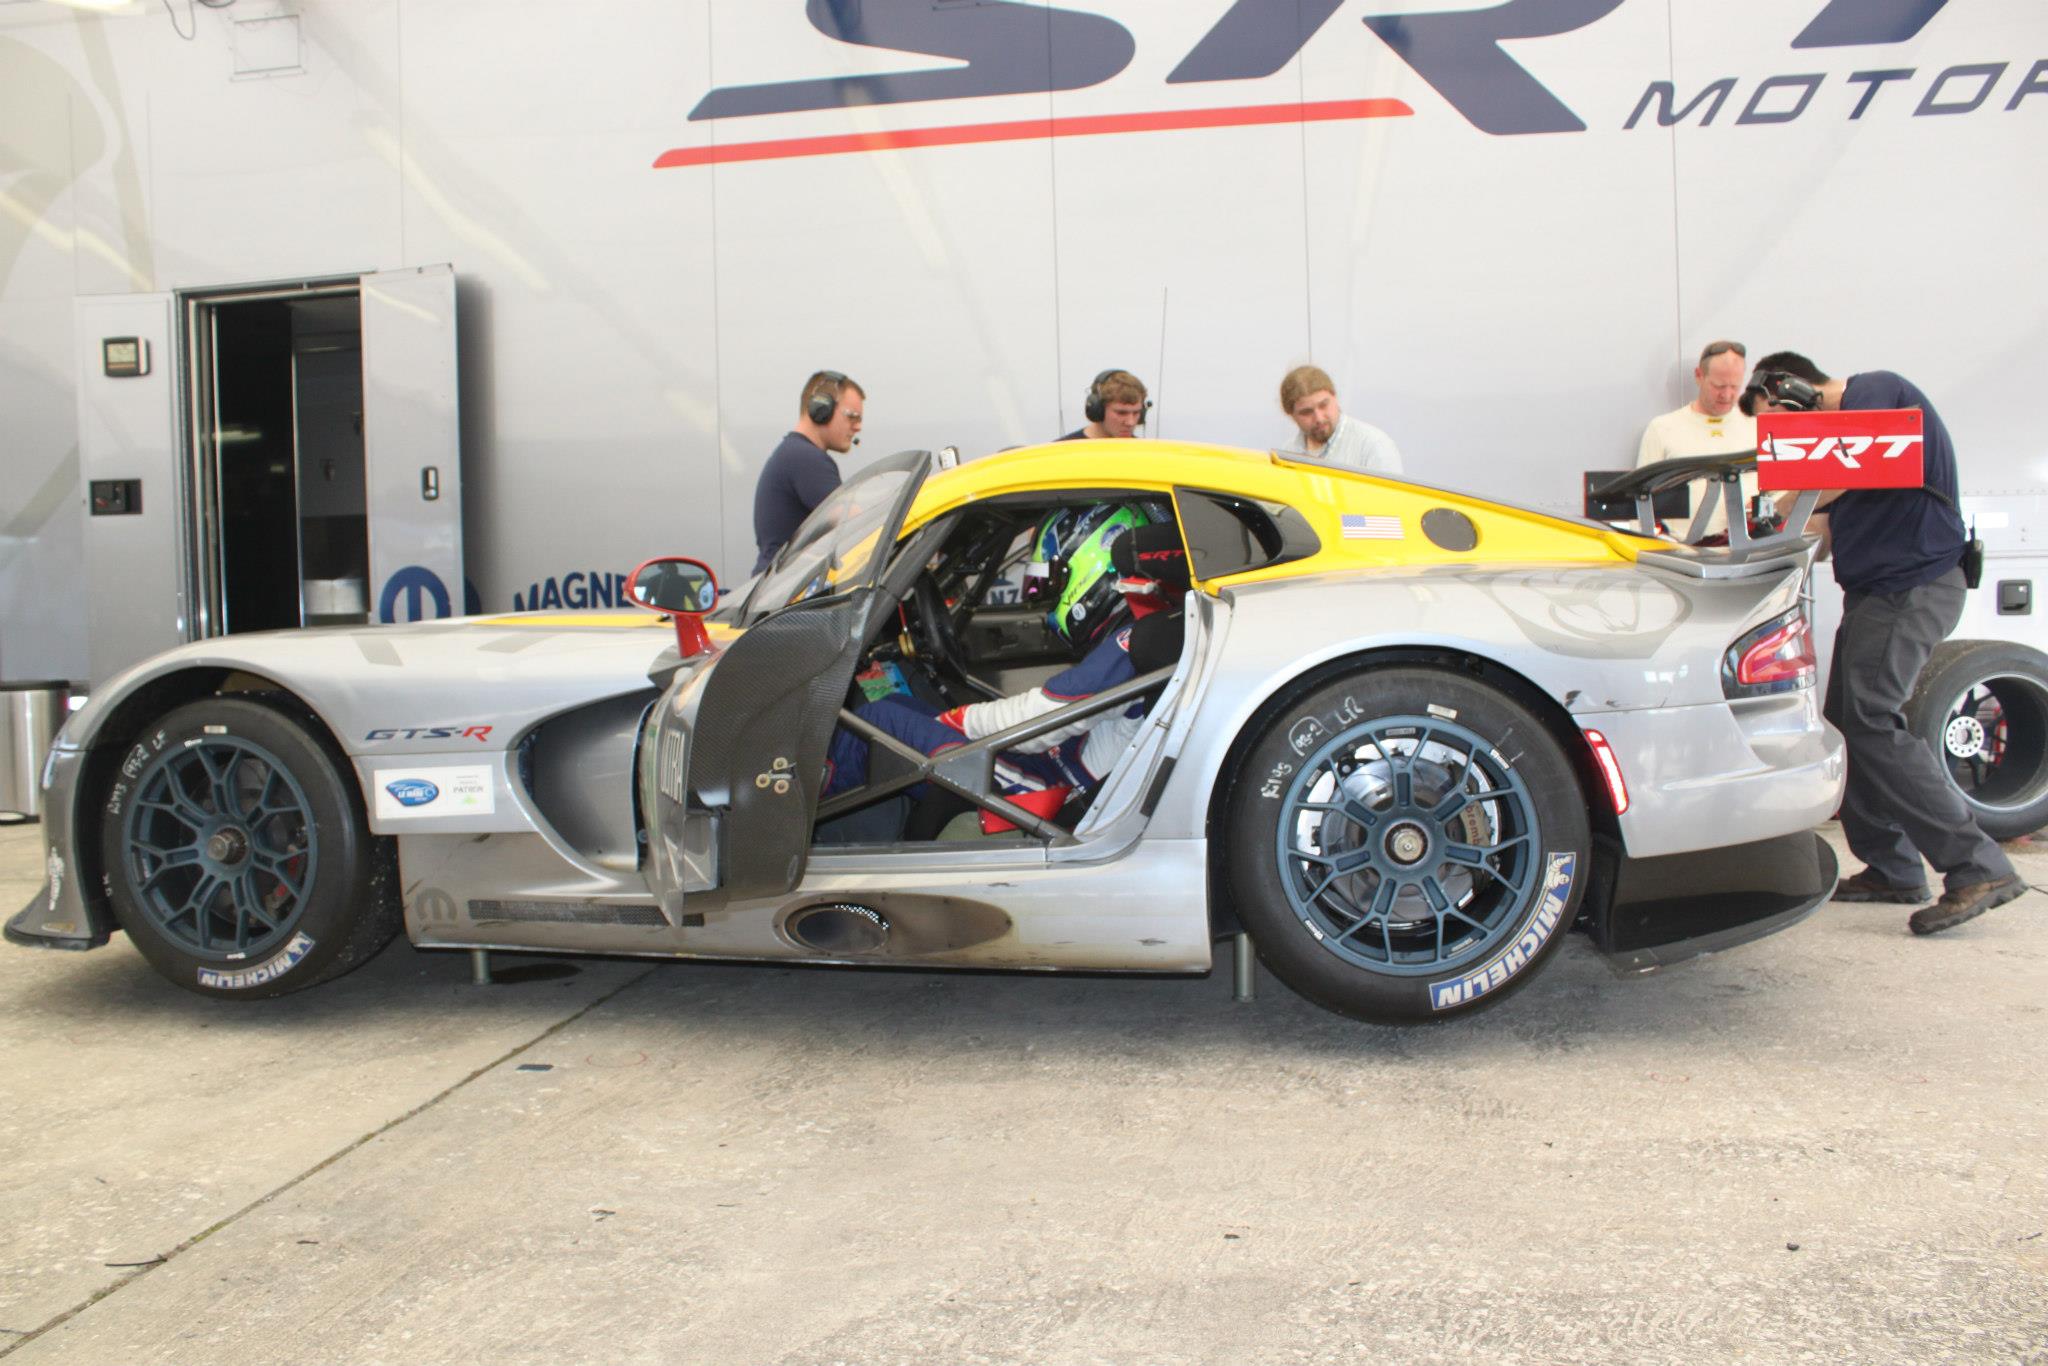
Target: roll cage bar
967 770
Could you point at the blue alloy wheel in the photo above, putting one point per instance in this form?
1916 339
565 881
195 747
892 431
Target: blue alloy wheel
1407 847
1406 843
221 847
238 854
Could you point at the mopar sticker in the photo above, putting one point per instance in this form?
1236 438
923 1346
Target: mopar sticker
270 971
455 790
1469 987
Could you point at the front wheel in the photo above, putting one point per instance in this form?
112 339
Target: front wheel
238 856
1406 844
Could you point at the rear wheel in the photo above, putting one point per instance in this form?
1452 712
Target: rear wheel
1407 844
1982 707
238 856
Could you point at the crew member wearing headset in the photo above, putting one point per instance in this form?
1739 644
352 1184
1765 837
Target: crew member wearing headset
1115 407
1898 555
801 473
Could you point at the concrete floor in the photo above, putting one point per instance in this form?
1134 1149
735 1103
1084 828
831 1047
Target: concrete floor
1829 1146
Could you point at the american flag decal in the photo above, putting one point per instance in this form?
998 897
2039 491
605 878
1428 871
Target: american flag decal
1359 527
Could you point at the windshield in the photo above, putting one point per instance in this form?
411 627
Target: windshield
832 549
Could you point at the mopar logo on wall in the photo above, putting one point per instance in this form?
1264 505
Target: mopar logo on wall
414 593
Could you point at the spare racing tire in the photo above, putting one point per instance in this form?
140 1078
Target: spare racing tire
1406 844
1982 707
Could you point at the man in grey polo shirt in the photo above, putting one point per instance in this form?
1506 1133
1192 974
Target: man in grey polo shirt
1325 433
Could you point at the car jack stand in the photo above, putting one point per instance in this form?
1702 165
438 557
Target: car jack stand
1244 986
480 967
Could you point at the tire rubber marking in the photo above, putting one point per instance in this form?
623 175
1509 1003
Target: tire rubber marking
270 971
1470 986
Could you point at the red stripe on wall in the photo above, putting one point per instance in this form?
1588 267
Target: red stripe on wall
1158 121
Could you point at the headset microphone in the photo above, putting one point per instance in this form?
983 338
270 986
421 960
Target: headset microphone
1096 406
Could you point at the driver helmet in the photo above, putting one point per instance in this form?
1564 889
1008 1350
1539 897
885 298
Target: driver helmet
1081 578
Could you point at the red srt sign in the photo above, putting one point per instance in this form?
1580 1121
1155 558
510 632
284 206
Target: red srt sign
1878 448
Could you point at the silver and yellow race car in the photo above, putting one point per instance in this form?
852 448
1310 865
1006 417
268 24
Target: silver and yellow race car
1408 740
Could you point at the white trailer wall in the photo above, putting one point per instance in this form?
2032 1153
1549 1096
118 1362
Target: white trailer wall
1510 306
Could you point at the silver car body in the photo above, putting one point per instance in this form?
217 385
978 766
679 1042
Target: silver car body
534 728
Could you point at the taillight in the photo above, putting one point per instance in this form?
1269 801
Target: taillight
1776 657
1610 769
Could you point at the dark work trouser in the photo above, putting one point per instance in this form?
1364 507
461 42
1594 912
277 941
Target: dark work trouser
1899 804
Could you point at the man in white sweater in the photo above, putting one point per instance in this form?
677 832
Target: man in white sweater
1711 424
1325 433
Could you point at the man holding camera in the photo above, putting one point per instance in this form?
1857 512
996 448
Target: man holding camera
1898 557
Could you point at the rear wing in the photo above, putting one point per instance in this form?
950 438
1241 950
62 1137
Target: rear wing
1745 554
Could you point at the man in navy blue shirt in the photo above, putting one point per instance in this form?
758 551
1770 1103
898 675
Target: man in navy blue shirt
800 474
1116 407
1898 559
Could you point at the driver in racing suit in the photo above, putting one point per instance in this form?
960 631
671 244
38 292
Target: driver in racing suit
1146 567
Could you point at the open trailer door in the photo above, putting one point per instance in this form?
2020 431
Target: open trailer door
412 444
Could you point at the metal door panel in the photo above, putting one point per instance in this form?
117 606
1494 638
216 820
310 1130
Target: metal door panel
127 430
412 444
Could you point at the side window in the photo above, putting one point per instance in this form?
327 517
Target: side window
1228 534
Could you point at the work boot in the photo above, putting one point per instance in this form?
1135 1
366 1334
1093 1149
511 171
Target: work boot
1869 886
1966 903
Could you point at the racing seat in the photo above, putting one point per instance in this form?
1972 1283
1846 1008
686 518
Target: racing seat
961 777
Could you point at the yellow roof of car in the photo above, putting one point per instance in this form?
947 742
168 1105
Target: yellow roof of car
1362 520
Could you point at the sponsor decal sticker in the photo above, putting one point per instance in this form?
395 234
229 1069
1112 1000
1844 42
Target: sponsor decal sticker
432 906
269 971
1502 967
56 866
1859 449
455 790
672 767
1361 527
412 791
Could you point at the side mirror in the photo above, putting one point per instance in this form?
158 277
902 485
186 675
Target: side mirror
681 588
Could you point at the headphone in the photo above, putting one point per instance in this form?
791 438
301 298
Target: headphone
824 396
1096 406
1785 389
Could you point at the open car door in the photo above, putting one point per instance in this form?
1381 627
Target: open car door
732 759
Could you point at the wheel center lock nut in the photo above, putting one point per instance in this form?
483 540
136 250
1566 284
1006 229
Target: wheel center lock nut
1406 843
227 846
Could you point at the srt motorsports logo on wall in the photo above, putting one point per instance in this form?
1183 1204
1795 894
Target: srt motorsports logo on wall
1007 48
